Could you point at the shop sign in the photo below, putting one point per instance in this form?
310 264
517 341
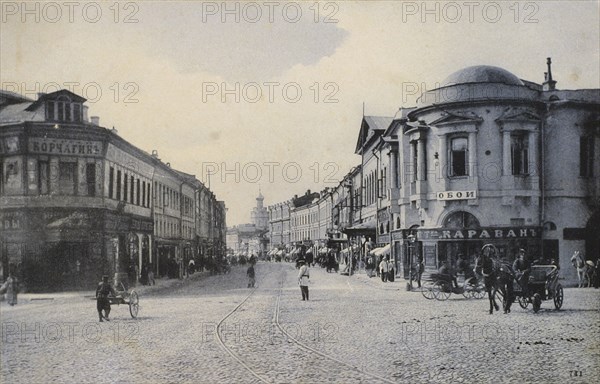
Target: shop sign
10 222
65 147
479 233
383 239
457 195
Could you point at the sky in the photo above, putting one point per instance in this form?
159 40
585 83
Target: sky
270 95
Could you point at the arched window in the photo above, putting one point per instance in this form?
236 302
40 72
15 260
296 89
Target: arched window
461 220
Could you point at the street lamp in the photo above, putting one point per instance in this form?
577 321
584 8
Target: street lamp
411 239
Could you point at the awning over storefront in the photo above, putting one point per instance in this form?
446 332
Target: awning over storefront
354 249
381 251
363 229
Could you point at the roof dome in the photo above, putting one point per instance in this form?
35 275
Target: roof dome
482 74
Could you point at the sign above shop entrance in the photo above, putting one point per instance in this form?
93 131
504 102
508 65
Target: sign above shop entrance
457 195
479 233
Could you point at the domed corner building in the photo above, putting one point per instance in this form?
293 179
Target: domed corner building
491 158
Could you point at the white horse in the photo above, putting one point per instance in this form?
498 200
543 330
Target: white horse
584 269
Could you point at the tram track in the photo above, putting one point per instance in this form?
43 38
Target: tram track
303 355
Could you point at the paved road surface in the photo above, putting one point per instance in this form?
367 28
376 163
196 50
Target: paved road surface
353 330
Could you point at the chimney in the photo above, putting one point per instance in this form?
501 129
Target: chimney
95 120
549 84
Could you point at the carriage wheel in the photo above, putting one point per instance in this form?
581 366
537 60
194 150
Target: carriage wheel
537 302
134 304
479 291
427 291
523 302
468 292
558 296
440 292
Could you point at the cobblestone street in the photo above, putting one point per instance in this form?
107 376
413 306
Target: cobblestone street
211 329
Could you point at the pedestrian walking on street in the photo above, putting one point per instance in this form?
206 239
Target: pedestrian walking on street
250 274
103 291
370 266
303 276
151 275
419 269
391 272
383 269
144 275
11 288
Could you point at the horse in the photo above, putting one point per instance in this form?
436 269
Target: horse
583 268
497 277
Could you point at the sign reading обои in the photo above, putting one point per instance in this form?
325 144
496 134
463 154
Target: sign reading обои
65 147
456 195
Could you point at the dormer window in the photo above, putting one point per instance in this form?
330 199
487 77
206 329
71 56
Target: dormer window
63 109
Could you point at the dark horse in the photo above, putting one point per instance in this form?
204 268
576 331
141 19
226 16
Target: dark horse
497 277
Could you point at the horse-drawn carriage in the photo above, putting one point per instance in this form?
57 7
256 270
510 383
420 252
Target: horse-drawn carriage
501 279
440 287
542 285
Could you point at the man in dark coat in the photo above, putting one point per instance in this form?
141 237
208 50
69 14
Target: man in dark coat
522 268
103 291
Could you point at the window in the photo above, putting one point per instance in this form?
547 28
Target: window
415 160
50 110
61 111
90 178
125 187
137 192
132 189
519 150
43 177
66 178
111 182
458 156
118 185
77 112
586 156
143 193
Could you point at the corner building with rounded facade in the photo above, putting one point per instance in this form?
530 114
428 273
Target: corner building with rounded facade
490 158
78 201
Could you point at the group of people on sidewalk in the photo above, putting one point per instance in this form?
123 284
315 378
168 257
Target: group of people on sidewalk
384 268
